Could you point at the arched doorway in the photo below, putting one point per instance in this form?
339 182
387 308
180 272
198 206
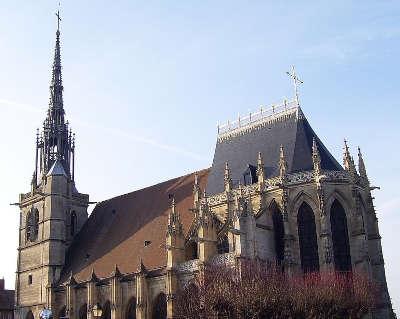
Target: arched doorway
307 238
106 311
83 312
29 315
131 309
160 307
279 233
340 237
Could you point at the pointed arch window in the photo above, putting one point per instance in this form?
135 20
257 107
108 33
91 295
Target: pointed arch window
307 238
32 225
131 310
340 237
29 315
160 307
223 244
191 250
279 233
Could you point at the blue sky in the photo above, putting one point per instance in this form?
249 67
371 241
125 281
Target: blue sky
147 81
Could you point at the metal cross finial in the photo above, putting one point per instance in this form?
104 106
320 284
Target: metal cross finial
58 18
296 81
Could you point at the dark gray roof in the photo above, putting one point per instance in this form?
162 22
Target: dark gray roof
292 131
57 169
6 300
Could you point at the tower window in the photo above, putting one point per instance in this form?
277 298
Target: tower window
30 280
73 223
32 225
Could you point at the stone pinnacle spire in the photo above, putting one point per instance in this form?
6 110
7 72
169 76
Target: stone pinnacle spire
56 142
56 103
348 161
316 157
282 162
361 166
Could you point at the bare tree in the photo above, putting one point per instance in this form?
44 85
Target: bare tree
256 290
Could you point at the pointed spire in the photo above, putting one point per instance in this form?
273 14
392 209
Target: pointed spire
174 220
204 211
282 162
361 165
196 192
227 178
56 143
260 169
141 269
93 276
316 157
71 280
116 272
348 161
56 103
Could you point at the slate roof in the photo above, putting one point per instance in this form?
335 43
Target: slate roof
57 169
292 131
7 300
116 230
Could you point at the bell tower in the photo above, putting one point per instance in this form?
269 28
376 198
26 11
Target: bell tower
53 212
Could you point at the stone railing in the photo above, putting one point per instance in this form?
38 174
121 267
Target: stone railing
255 119
291 179
188 266
223 259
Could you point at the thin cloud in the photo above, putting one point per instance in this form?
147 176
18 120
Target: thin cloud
389 207
133 136
350 44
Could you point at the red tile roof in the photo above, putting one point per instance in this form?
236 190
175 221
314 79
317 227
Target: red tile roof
117 229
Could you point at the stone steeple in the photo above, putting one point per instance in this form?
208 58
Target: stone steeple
56 141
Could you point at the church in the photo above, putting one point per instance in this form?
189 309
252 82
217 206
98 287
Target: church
273 192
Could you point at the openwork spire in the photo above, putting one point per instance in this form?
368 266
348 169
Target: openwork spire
56 103
56 142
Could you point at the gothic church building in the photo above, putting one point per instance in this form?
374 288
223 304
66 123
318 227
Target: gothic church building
273 191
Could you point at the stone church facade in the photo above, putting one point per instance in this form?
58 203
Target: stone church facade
273 192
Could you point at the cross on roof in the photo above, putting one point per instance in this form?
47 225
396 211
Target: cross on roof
296 81
58 20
